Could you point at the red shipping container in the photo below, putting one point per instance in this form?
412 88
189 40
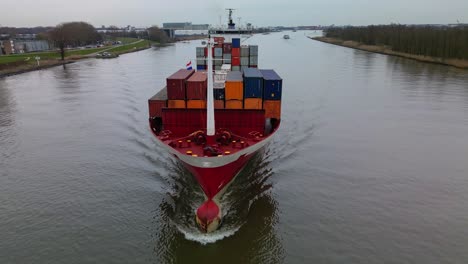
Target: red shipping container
182 122
227 47
176 84
235 52
196 86
218 40
212 52
235 61
157 103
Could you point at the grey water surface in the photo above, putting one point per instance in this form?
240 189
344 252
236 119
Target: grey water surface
370 164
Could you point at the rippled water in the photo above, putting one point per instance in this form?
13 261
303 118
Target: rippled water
370 165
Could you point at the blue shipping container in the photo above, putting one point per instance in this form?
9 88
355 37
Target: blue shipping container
236 42
272 85
219 94
253 83
201 67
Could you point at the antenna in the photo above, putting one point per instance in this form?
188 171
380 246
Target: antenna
231 24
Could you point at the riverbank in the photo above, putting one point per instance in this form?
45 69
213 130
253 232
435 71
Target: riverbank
463 64
33 67
51 59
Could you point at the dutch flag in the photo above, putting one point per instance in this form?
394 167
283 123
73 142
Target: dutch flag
189 65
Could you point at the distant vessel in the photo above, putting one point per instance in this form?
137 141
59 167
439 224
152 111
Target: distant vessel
106 55
214 123
286 36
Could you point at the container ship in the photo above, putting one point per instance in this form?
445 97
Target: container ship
216 118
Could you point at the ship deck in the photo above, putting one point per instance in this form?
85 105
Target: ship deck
226 141
211 146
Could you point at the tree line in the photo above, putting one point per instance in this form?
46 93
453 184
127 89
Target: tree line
153 33
75 34
442 42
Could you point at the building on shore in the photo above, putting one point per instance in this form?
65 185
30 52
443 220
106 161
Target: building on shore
114 29
181 33
14 46
185 26
174 29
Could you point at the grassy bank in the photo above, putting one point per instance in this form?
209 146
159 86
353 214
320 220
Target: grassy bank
47 55
19 63
135 46
388 51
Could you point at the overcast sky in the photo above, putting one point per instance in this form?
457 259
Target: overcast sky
258 12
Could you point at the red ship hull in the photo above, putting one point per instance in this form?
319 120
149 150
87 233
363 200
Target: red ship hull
213 180
214 173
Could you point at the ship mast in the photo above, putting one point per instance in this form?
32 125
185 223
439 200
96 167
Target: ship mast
210 121
231 24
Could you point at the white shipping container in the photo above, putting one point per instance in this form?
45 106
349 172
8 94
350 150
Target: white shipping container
226 67
253 60
218 85
219 77
218 52
244 51
200 52
201 61
253 49
244 61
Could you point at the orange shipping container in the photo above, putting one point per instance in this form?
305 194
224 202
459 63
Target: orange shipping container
198 104
176 103
218 104
233 104
272 108
234 91
253 103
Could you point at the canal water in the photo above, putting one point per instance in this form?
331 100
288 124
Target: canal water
370 164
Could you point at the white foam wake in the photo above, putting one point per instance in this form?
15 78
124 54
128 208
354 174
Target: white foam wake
204 239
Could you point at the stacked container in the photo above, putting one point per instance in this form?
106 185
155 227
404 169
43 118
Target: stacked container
201 58
235 53
272 91
219 78
196 90
176 103
253 88
227 47
176 88
253 56
253 83
234 90
244 57
218 94
157 103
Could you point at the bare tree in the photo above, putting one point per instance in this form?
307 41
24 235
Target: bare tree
157 34
73 34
